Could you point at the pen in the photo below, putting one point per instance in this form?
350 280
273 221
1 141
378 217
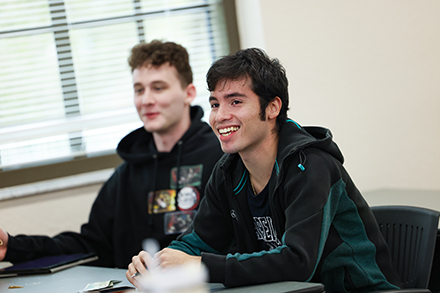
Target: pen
135 274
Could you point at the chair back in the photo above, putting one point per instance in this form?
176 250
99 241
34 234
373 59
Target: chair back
410 233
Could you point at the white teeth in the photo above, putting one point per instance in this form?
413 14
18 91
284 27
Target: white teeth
228 130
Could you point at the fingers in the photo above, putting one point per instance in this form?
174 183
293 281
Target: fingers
154 263
129 275
132 270
141 262
170 257
163 260
138 266
4 237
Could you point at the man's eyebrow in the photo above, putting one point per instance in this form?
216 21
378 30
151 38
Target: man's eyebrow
158 81
234 94
228 96
137 84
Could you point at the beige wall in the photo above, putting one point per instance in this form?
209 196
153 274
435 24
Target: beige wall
369 71
48 213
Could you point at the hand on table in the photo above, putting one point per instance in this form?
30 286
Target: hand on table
4 237
169 257
164 259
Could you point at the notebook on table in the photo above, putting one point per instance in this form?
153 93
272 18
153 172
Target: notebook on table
47 264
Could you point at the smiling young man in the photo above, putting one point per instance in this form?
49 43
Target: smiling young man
156 192
279 206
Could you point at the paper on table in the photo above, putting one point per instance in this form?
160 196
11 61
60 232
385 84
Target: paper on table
99 285
5 264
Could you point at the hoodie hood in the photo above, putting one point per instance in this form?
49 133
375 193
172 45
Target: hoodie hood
294 138
138 147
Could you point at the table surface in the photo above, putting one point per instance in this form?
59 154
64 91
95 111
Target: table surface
75 279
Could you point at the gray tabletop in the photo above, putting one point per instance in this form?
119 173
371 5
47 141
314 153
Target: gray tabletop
75 279
280 287
70 280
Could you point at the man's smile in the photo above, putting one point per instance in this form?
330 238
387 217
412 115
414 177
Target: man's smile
228 130
151 115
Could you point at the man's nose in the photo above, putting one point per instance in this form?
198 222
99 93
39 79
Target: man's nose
222 114
148 98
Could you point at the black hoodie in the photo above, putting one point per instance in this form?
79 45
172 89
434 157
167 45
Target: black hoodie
328 233
140 200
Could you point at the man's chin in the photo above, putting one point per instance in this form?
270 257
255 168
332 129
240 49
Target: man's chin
151 129
228 151
153 126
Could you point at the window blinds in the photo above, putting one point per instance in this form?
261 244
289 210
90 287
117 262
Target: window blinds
65 85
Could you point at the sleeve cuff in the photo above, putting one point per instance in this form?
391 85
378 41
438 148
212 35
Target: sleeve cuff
216 266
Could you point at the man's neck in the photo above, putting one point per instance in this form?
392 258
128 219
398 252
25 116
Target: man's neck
260 163
166 141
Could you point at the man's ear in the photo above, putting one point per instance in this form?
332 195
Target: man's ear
274 108
191 93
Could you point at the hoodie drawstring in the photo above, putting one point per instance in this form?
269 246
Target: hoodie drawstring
156 163
302 160
179 158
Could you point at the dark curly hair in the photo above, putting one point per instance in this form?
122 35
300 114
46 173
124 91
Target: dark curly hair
267 75
157 53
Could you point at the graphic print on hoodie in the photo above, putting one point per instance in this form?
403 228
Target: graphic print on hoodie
178 203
